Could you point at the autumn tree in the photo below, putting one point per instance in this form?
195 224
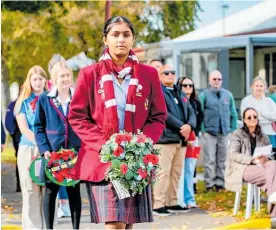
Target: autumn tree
32 31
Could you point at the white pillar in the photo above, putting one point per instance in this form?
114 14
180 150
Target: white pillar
249 65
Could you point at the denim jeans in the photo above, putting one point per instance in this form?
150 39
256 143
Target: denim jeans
189 195
272 139
62 193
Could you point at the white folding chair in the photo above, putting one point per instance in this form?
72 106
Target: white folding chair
253 191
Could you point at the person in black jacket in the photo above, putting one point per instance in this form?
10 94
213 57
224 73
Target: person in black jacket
179 123
13 129
187 86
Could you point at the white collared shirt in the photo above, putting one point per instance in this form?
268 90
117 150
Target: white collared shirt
54 94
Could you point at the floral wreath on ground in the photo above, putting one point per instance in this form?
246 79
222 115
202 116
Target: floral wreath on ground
133 159
59 167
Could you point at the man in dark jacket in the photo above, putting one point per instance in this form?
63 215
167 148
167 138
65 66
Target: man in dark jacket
180 121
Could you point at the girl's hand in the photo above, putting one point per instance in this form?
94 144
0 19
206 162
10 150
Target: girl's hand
47 155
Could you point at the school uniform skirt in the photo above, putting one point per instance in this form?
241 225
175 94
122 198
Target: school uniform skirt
105 206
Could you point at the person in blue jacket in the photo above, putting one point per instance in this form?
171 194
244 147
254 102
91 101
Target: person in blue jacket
14 131
24 111
53 132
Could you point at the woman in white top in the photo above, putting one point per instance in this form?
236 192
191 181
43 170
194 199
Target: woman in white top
265 107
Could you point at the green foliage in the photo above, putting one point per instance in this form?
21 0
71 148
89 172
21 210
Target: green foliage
129 175
25 6
116 163
33 31
169 19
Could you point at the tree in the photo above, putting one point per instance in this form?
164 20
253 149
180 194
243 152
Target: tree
169 19
33 31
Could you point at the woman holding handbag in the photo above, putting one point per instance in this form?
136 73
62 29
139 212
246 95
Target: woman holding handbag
53 132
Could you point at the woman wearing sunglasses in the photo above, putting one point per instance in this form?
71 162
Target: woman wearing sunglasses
241 166
265 107
187 86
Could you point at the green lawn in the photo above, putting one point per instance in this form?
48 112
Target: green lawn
222 203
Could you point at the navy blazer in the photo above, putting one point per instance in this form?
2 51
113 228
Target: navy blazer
171 133
51 127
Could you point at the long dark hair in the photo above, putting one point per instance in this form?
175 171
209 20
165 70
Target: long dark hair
258 130
179 83
116 19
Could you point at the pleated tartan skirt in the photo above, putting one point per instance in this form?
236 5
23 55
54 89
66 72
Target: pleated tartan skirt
105 206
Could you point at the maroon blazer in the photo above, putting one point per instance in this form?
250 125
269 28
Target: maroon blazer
86 117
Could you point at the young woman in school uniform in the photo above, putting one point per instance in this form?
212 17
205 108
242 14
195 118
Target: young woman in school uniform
117 93
53 132
24 111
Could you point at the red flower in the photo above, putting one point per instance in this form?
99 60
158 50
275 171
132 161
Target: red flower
58 177
154 159
66 154
123 169
147 159
141 138
65 172
65 157
127 137
55 156
119 138
118 151
142 173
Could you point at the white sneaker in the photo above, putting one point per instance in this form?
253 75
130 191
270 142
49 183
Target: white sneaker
272 198
66 210
63 211
60 213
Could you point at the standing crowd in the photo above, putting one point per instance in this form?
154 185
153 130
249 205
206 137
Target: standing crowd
107 99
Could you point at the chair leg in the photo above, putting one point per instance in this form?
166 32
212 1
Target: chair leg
249 201
237 203
257 198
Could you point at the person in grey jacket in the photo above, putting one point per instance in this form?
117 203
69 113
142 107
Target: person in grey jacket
220 118
179 123
242 166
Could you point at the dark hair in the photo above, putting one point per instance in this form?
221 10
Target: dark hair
258 130
153 60
180 81
116 19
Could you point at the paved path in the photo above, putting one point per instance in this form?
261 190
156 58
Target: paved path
12 203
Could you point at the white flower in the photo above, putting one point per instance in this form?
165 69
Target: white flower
122 156
123 143
150 164
139 177
142 165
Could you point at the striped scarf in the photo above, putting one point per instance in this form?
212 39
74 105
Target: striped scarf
107 68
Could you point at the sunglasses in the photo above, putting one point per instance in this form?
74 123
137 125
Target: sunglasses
217 79
187 85
253 117
168 72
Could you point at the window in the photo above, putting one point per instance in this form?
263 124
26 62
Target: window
267 67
